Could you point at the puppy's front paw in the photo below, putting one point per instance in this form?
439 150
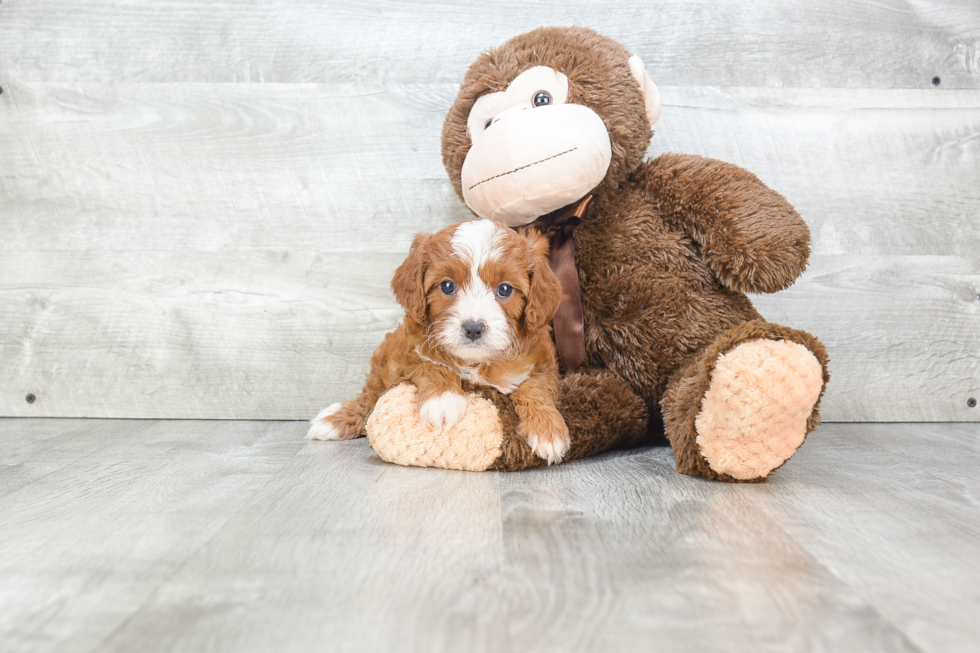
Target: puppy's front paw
443 411
333 423
547 436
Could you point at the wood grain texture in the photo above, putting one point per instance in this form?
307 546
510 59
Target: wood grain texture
269 334
223 251
825 43
357 168
676 554
262 333
903 507
33 449
87 544
211 167
214 536
903 333
381 558
872 172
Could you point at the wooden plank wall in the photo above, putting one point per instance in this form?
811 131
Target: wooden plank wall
201 203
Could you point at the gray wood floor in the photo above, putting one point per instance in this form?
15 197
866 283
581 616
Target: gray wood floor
241 536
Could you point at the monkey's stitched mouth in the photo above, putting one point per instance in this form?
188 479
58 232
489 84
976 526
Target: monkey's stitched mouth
509 172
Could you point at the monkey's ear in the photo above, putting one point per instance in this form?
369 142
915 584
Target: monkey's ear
408 284
651 94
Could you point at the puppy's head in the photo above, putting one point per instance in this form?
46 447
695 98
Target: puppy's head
477 288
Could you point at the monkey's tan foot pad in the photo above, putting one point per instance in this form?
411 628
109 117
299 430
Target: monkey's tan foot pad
398 436
754 415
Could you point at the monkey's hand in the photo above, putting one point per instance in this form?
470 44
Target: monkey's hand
751 237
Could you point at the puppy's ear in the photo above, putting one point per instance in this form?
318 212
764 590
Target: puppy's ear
538 245
408 284
544 293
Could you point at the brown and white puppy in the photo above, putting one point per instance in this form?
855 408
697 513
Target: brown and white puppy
478 298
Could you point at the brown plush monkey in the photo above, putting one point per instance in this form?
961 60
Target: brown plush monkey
663 255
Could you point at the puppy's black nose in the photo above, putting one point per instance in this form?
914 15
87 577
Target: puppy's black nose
474 330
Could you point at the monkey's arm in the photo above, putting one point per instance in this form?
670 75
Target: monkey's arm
749 234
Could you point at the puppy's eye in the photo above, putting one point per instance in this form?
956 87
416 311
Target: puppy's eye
541 99
447 287
489 122
505 290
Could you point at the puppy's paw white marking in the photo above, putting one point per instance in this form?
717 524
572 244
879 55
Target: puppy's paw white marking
551 450
443 411
320 426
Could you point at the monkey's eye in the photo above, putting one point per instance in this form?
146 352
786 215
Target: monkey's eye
489 122
448 288
541 99
505 290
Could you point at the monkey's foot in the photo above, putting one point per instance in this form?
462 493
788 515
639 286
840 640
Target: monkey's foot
754 415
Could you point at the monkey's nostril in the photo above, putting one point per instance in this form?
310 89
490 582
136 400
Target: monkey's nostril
474 330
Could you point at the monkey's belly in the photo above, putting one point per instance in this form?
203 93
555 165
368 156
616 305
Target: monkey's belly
647 315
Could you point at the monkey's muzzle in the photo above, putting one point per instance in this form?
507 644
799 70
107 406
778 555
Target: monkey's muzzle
531 162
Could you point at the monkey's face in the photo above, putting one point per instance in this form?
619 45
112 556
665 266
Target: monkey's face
545 119
532 151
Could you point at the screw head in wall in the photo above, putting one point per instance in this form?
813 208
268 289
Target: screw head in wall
30 398
971 402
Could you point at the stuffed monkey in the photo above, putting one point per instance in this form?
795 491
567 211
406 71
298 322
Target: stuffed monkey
655 257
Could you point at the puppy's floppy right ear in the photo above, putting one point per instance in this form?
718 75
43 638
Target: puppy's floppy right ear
408 284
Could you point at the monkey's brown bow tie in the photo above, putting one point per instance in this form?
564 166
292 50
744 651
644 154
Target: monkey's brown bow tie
569 322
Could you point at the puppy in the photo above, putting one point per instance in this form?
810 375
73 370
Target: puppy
478 298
